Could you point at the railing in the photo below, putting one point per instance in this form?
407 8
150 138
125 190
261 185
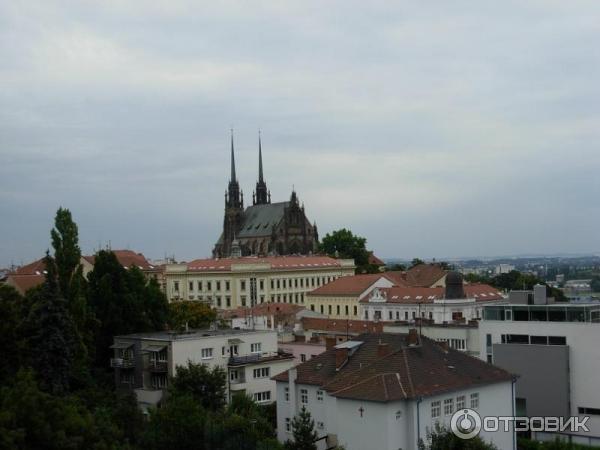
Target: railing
158 366
240 360
122 363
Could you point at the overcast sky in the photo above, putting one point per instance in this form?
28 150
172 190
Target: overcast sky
434 129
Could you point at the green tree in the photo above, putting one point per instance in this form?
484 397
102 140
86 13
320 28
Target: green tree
416 262
123 302
52 336
344 244
204 385
11 311
595 284
303 431
190 314
441 438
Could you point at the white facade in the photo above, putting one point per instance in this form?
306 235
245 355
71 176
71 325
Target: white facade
439 310
577 326
360 425
464 338
250 359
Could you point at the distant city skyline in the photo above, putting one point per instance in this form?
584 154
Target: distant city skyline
433 130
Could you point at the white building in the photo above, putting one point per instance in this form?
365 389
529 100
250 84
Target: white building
461 337
454 303
231 283
554 350
144 362
386 391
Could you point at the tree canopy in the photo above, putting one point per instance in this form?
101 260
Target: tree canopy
344 244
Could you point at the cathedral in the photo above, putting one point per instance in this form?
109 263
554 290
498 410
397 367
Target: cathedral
264 228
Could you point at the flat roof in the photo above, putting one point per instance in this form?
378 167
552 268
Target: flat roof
189 335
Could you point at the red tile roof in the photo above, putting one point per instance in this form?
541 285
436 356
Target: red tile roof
128 258
23 283
35 268
424 275
341 325
276 262
348 285
374 260
404 372
263 309
410 295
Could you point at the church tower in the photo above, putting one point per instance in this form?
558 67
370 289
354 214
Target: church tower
234 208
261 195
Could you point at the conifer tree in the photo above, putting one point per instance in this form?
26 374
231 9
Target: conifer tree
303 430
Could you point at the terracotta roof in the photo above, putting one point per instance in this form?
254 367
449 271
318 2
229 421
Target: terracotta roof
35 268
348 285
410 295
404 372
375 260
263 309
276 262
128 258
424 275
23 283
341 325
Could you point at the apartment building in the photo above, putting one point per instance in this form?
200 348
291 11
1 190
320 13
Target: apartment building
386 391
554 350
144 362
231 283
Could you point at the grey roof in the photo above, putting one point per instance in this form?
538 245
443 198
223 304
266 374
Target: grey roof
189 335
260 219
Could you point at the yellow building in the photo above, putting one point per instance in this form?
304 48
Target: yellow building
340 298
230 283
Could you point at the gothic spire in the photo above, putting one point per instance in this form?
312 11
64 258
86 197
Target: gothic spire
260 169
262 197
233 177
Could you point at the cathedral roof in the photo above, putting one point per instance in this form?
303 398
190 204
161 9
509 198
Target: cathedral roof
259 220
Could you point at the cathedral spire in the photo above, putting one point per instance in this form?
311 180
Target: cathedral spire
260 169
233 177
261 192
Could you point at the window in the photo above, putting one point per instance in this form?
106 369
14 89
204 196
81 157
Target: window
337 310
461 402
390 315
159 381
218 301
272 284
262 396
261 285
557 340
356 310
191 283
405 315
256 347
233 350
227 285
448 406
474 400
223 351
436 409
296 282
234 375
329 308
209 285
286 394
207 353
397 315
321 309
199 285
319 395
288 425
302 357
304 396
218 283
284 283
312 307
228 301
176 286
263 372
243 285
243 300
278 283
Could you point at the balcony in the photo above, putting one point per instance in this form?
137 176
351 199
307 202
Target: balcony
158 366
258 357
122 363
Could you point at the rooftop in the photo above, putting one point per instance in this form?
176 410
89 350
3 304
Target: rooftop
275 262
350 285
340 325
189 335
262 309
555 312
384 367
410 295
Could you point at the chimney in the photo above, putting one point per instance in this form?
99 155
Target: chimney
329 342
341 356
383 349
413 337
